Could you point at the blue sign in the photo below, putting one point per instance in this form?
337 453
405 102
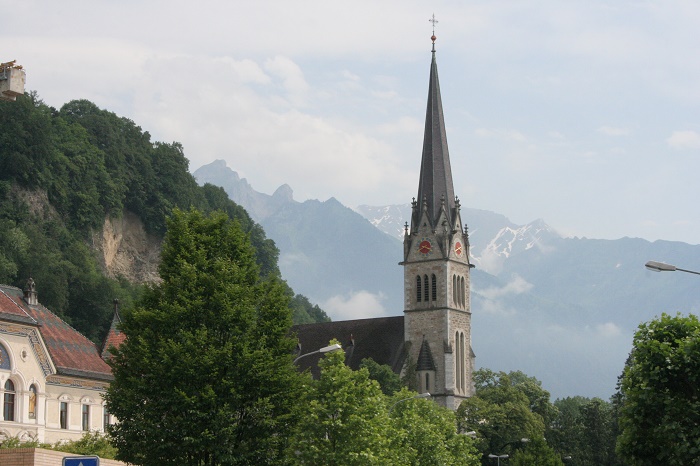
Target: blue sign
81 461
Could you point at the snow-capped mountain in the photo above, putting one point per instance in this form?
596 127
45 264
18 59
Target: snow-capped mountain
492 237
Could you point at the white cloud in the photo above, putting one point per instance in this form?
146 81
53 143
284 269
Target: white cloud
360 305
684 140
291 75
608 330
517 285
301 97
405 125
503 134
613 131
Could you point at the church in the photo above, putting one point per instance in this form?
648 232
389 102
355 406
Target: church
52 378
431 342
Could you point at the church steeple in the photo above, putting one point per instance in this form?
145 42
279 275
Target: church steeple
437 312
435 183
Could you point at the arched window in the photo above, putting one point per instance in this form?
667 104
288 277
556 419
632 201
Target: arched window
433 289
4 359
427 382
418 289
32 401
63 415
8 403
427 290
454 290
458 363
86 417
462 362
462 292
105 419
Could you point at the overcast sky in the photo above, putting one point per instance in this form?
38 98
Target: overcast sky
585 113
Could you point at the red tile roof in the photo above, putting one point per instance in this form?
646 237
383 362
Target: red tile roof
71 352
11 310
115 337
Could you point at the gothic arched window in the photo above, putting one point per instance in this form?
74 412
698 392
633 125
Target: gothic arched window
8 403
418 289
462 363
433 289
427 290
454 290
458 363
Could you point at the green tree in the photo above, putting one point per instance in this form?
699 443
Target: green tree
205 376
304 312
388 380
505 409
428 433
536 452
345 419
660 387
585 430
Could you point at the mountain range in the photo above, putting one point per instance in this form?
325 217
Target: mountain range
561 309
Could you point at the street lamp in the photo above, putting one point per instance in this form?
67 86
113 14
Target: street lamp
420 395
325 349
661 267
491 455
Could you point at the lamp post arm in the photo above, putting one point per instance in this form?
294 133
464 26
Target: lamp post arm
325 349
420 395
656 266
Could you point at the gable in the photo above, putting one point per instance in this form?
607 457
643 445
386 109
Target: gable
70 352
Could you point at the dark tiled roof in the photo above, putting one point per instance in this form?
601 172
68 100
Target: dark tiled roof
435 182
114 338
425 358
381 339
71 352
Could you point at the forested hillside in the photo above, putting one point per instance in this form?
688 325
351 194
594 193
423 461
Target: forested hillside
63 173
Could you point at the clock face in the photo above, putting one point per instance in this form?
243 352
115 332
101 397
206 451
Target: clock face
424 247
458 249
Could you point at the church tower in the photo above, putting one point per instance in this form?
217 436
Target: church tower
437 314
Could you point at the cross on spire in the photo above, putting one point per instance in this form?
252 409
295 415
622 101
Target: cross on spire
434 21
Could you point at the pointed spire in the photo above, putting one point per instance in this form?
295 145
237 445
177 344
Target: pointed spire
115 337
435 172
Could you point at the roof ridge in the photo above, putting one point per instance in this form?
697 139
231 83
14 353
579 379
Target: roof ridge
18 306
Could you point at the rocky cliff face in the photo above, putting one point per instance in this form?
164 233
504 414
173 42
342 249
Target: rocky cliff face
125 249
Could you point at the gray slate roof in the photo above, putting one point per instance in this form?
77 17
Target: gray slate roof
381 339
435 181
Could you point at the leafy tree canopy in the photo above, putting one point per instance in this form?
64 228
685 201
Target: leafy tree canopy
505 409
205 376
660 413
347 420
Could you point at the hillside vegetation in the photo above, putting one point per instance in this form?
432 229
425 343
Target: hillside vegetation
64 174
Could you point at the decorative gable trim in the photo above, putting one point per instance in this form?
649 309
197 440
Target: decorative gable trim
40 352
71 382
